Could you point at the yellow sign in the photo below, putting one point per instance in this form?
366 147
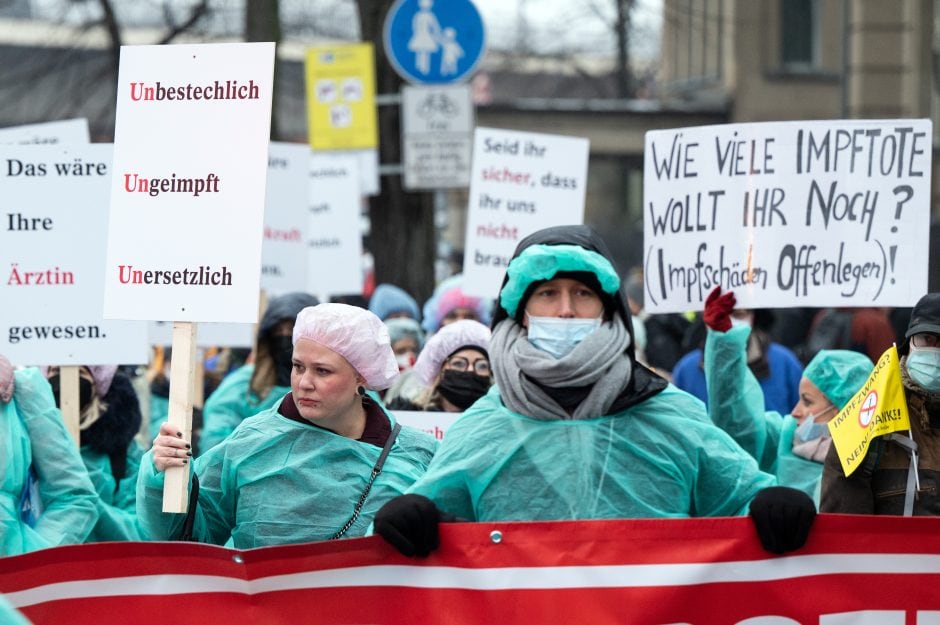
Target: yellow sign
341 97
878 408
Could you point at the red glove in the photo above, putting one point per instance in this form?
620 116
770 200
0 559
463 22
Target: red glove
718 309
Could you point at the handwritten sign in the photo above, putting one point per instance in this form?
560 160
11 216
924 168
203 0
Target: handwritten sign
48 133
520 182
334 242
187 195
820 213
52 242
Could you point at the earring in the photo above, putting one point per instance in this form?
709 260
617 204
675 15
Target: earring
361 391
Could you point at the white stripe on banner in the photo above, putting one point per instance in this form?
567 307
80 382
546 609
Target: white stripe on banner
502 578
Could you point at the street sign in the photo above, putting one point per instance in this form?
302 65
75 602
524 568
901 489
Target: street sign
437 136
434 42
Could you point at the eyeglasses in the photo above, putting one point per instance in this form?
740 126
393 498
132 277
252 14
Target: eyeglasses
480 367
925 339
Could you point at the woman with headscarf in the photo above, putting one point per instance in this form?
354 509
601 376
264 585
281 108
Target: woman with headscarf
259 385
317 464
46 498
454 369
109 419
575 428
793 446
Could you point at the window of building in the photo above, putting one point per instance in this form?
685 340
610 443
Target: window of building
799 33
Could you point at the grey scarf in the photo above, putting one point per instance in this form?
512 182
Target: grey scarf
600 361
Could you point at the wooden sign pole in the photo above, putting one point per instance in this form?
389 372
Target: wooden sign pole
69 401
182 380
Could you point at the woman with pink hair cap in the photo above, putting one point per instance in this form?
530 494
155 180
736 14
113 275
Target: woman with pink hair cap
317 465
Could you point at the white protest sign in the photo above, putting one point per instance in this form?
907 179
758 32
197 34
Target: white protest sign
433 423
520 182
187 197
436 127
367 163
816 213
334 241
207 334
284 252
48 133
52 244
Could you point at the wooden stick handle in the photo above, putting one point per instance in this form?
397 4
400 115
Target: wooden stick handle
182 380
69 401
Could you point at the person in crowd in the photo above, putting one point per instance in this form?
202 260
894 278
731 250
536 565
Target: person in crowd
449 303
634 291
315 465
865 330
109 419
575 427
46 497
665 341
257 386
886 480
390 302
793 446
407 339
777 369
453 368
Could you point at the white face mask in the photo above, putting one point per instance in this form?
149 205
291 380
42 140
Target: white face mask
559 336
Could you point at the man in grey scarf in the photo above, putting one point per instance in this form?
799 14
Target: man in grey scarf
575 427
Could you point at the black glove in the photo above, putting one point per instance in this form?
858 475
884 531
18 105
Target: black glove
409 523
782 517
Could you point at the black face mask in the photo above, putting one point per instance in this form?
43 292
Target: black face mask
282 349
462 388
85 391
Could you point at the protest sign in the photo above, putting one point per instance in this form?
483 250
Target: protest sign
52 242
187 196
284 253
48 133
341 111
520 182
433 423
815 213
334 241
436 129
187 200
864 570
878 408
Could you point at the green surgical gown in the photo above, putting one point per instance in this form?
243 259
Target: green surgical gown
276 481
659 458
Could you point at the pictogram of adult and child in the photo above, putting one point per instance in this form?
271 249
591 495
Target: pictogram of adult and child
427 38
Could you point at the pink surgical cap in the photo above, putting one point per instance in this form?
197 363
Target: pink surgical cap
355 334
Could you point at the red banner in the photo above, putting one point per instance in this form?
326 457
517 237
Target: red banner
858 570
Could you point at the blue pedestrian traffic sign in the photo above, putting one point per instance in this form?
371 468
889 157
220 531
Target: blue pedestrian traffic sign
434 42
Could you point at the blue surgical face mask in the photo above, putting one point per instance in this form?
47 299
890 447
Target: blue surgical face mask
559 336
809 430
923 364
